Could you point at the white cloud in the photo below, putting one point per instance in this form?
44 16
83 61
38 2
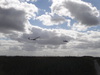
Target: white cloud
79 27
51 40
88 41
28 0
49 20
83 12
7 45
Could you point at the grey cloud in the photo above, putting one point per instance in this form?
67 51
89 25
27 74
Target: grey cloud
15 48
11 19
83 12
52 40
88 45
87 41
48 39
58 19
30 47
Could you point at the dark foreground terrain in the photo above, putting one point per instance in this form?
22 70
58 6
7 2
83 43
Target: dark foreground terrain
47 65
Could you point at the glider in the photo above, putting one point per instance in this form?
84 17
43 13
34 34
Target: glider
34 38
65 41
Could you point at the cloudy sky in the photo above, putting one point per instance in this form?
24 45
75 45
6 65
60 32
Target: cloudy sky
77 21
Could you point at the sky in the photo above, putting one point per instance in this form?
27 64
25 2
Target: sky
77 21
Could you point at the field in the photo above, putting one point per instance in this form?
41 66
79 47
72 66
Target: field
47 65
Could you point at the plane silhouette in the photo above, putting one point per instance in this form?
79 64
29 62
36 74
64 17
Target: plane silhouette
34 38
65 41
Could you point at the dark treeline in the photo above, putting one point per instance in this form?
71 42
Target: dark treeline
47 65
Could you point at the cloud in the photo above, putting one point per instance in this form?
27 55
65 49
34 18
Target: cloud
14 15
47 36
52 39
79 27
12 19
83 12
7 45
28 0
87 41
49 20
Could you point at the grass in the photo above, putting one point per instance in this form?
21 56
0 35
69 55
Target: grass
47 65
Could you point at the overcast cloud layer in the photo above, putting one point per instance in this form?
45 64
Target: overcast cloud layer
15 29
